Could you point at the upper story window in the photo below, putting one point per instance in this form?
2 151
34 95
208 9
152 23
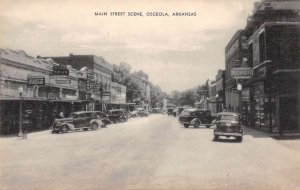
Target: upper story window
262 47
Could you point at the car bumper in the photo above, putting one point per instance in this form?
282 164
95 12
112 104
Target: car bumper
55 129
228 134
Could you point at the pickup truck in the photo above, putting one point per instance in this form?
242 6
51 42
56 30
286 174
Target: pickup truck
196 117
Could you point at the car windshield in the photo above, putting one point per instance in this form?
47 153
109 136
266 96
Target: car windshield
227 117
187 111
74 115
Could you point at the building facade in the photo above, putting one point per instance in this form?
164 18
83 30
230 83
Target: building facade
29 83
212 100
236 64
276 76
220 91
99 73
262 60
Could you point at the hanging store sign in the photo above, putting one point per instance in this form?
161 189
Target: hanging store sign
60 70
241 72
95 86
89 80
66 81
35 80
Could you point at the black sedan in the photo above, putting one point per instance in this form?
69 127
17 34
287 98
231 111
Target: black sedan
196 117
104 118
228 124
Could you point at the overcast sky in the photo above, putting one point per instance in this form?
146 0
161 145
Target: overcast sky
176 52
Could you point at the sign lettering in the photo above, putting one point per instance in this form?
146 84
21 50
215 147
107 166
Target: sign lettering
241 72
33 80
60 70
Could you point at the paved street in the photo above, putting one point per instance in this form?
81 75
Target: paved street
148 153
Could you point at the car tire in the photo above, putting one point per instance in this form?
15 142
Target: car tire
239 139
197 124
208 126
64 129
94 126
186 125
216 137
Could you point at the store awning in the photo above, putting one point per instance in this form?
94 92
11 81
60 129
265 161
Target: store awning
120 103
24 98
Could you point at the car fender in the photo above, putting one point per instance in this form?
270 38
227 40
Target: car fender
70 126
98 121
194 121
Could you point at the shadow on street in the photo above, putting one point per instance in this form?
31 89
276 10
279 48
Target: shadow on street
226 140
255 133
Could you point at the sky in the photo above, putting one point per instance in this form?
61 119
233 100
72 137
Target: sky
177 52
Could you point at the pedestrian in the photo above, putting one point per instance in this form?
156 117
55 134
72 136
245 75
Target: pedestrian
60 115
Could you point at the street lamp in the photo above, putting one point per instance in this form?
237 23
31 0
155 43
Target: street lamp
20 90
240 88
217 103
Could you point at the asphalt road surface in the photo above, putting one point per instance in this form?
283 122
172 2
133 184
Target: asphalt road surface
148 153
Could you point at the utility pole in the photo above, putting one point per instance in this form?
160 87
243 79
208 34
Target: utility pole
101 96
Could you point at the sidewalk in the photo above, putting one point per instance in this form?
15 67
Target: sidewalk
262 133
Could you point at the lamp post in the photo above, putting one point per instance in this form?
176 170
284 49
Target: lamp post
20 90
240 88
217 102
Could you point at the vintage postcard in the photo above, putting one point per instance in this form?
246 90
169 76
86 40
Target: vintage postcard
149 95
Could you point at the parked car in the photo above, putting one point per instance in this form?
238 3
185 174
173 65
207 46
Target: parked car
82 120
104 118
228 124
126 113
156 110
170 111
142 113
133 113
196 117
117 115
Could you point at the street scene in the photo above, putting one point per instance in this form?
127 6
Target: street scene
154 152
139 95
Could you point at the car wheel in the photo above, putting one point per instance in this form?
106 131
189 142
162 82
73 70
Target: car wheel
216 137
85 129
94 126
197 124
240 139
64 129
208 126
186 125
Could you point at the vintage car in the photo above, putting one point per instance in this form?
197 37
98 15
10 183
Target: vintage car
139 112
228 124
117 115
104 118
196 117
82 120
142 113
156 110
170 111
